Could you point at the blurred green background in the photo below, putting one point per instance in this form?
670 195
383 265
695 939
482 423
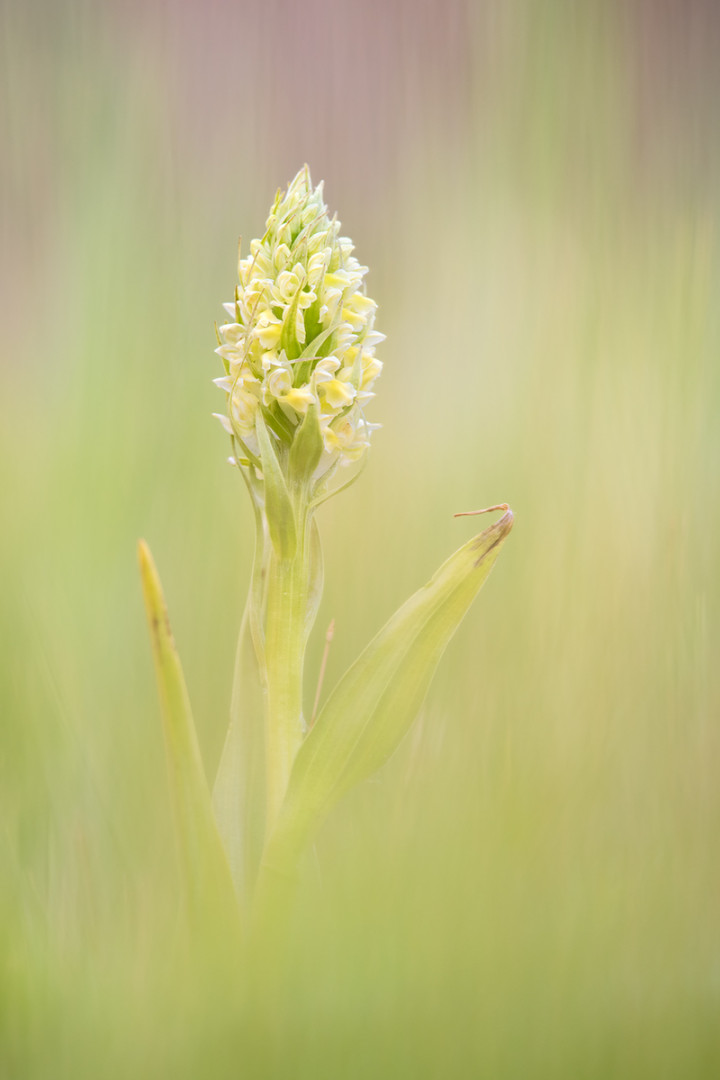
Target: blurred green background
531 887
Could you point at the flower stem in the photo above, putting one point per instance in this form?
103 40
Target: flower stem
285 641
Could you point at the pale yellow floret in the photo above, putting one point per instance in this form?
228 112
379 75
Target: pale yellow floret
347 438
325 369
281 256
299 398
233 333
244 407
336 394
268 330
371 370
277 384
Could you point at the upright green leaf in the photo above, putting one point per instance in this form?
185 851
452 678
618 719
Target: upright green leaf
207 876
376 701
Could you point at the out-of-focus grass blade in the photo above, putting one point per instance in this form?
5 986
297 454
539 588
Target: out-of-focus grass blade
207 874
376 701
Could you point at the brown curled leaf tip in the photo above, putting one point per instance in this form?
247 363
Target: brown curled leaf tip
505 523
498 530
498 540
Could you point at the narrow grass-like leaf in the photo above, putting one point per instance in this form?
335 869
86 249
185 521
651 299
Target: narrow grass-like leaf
376 701
207 875
280 514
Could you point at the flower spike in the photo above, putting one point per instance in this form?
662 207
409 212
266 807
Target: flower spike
303 332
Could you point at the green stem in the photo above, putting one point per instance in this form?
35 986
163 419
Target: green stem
286 633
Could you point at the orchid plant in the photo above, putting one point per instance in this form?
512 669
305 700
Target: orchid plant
299 360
